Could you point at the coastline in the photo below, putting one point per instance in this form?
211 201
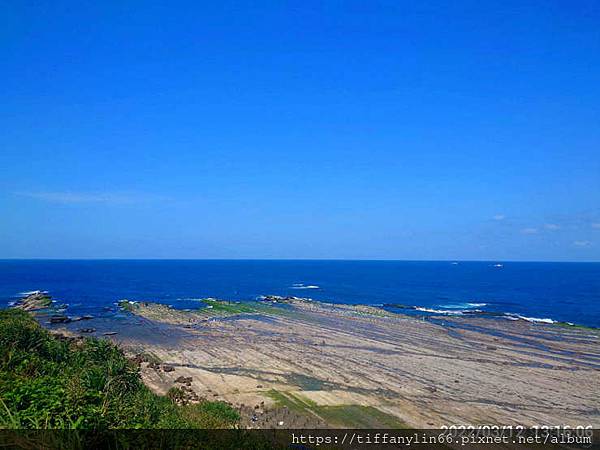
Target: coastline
536 291
339 365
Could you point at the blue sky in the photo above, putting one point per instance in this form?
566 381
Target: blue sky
325 129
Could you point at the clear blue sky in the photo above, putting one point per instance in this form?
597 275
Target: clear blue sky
308 129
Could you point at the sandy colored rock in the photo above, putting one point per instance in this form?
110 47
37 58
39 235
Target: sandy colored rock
424 372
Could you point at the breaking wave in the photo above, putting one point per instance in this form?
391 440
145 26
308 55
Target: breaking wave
463 305
458 312
303 286
511 316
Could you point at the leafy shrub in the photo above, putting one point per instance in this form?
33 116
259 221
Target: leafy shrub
176 395
46 382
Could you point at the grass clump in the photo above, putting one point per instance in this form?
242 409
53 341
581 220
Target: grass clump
343 416
47 382
224 307
358 416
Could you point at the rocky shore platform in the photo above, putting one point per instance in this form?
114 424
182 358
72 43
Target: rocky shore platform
294 363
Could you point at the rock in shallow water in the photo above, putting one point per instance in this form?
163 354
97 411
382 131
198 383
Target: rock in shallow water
59 318
34 301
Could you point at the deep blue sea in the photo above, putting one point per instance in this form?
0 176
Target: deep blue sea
566 292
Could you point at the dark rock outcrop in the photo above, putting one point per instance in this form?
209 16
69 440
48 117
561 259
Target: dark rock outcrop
59 318
183 380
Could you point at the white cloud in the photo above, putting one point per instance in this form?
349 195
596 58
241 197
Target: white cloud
499 217
552 226
582 243
86 197
529 231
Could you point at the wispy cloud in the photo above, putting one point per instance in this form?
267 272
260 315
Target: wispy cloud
109 198
529 231
582 243
499 217
552 226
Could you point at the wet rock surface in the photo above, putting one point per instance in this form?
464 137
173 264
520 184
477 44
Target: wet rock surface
87 330
59 318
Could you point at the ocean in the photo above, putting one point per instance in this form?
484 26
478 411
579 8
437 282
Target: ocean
534 291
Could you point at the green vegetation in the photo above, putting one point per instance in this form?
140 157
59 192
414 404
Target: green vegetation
43 302
48 382
225 308
219 307
212 307
357 416
290 401
344 416
575 326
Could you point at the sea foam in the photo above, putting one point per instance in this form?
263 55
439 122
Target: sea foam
512 316
440 311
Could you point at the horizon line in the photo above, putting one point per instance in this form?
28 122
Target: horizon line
301 259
